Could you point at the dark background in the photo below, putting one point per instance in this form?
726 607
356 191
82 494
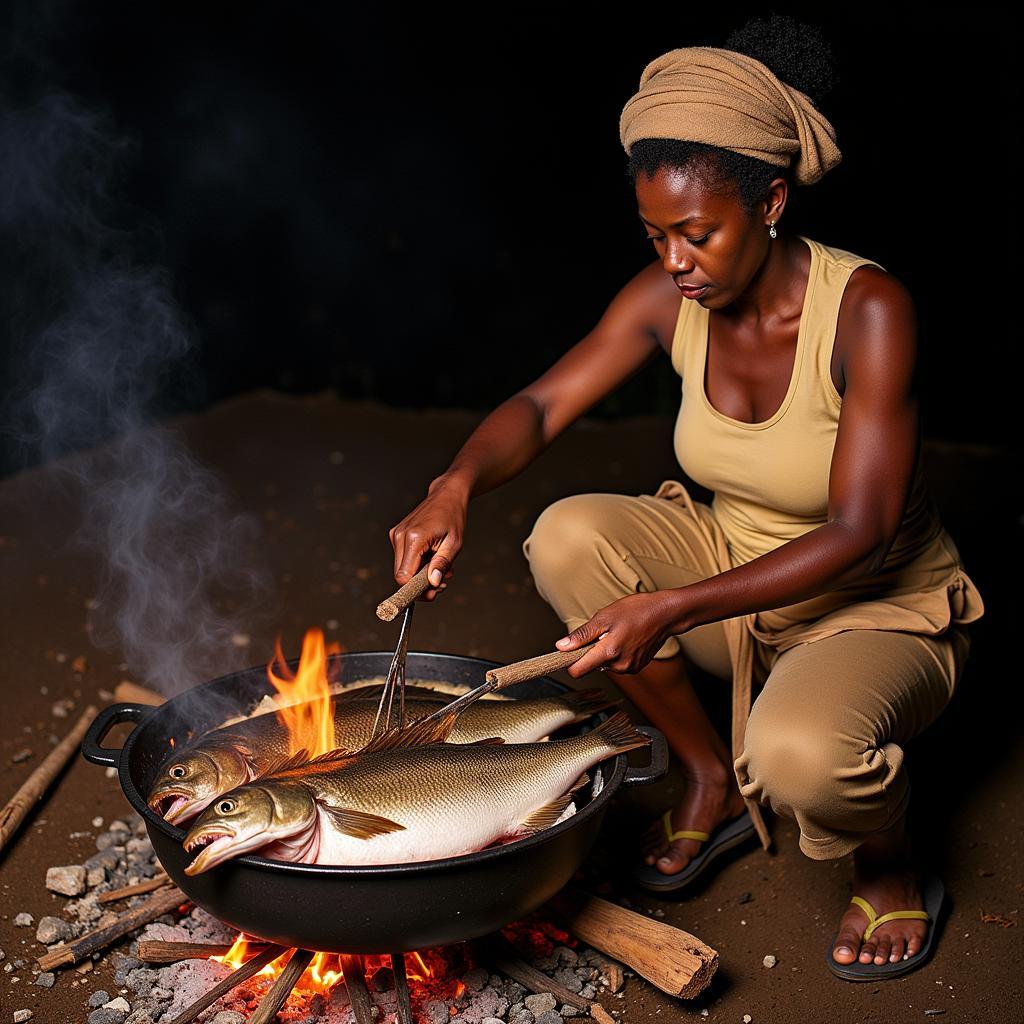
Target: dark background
428 210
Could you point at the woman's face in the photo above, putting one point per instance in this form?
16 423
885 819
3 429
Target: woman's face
704 239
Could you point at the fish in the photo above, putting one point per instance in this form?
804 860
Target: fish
195 775
399 801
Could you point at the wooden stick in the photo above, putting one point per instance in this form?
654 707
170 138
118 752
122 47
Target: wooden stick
152 951
35 786
673 960
156 882
132 693
495 951
233 980
520 671
282 987
389 608
616 979
355 982
162 902
404 1012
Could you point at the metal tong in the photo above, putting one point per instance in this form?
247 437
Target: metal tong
495 679
392 700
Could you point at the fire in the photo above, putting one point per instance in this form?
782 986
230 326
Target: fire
325 970
307 717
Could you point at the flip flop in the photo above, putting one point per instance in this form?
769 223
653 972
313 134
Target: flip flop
725 837
934 899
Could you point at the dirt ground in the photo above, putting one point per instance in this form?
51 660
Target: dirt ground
326 519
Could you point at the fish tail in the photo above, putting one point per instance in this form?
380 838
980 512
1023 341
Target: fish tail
584 703
618 733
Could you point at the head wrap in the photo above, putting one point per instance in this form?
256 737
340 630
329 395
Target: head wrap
727 99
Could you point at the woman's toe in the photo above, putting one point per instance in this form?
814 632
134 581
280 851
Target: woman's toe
882 951
845 949
867 952
899 947
914 944
672 861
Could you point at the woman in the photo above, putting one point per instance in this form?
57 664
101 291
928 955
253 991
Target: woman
820 571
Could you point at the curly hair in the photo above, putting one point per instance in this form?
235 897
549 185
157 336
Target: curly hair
800 56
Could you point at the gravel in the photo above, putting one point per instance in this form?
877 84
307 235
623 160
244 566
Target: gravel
46 979
549 1017
98 999
105 1016
23 920
540 1003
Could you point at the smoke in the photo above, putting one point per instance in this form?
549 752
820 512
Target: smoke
99 343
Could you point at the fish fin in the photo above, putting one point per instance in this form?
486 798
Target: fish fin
546 816
284 764
337 754
359 824
419 734
618 733
584 703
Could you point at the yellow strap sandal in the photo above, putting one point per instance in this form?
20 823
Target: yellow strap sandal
894 915
726 836
934 896
670 836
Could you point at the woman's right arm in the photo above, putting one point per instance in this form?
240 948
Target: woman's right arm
637 323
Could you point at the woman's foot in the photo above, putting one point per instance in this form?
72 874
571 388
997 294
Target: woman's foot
884 876
710 799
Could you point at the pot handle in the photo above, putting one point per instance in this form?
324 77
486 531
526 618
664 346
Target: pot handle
657 768
102 724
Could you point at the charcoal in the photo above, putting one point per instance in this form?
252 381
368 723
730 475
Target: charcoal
566 957
228 1017
436 1012
569 1011
475 980
141 980
103 859
549 1017
383 979
522 1017
123 966
588 991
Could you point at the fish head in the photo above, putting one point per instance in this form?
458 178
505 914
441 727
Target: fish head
246 819
191 781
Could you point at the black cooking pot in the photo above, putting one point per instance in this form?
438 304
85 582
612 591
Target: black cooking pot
375 909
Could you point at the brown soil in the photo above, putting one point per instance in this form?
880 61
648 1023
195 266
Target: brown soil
275 454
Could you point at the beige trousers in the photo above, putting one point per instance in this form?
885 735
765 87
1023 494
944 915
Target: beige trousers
825 737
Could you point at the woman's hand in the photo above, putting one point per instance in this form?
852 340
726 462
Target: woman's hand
629 632
437 525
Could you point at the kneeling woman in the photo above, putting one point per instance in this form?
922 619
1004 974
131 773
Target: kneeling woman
820 572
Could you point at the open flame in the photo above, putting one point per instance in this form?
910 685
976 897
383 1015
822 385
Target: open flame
325 969
307 716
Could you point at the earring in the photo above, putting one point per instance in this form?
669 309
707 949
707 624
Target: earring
772 231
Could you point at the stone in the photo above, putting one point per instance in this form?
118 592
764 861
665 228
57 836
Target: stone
123 966
383 980
769 961
95 876
540 1003
566 957
120 1003
103 859
569 1011
227 1017
475 980
141 980
569 979
52 929
139 1016
549 1017
22 1015
522 1017
98 999
23 920
105 1016
46 979
68 880
492 1020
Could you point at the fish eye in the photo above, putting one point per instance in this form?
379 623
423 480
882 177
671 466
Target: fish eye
179 771
226 806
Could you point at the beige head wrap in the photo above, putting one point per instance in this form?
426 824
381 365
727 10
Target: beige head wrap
727 99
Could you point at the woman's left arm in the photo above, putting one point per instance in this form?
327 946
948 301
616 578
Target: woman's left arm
871 473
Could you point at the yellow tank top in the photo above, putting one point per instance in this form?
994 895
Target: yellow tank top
770 480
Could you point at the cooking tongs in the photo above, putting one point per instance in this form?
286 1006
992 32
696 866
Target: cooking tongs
387 610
